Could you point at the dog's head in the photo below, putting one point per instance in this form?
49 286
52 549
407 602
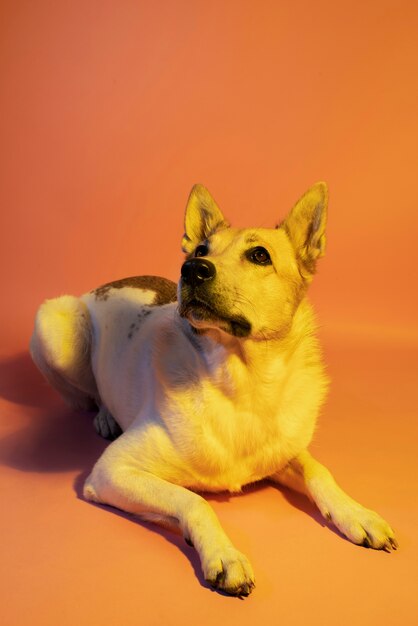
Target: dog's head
249 282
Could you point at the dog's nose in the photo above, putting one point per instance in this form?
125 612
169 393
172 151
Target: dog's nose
196 271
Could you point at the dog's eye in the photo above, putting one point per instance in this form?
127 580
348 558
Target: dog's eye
259 256
201 250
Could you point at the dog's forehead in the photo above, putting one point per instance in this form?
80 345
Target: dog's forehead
246 238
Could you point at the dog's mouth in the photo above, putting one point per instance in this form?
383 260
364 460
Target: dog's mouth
202 315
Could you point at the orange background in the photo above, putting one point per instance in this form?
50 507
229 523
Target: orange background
110 111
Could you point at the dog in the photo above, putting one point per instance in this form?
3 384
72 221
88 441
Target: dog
209 385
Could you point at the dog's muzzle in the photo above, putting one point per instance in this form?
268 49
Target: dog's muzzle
194 272
197 302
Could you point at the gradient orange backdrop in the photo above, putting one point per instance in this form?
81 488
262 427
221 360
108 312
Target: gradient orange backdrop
110 111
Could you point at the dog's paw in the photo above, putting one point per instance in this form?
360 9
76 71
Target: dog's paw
363 526
229 571
106 426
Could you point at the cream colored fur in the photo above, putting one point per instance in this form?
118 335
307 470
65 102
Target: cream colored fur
204 407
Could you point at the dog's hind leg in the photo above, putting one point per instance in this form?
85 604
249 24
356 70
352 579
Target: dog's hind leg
61 347
118 481
106 426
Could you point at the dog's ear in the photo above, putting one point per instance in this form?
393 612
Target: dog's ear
305 227
203 218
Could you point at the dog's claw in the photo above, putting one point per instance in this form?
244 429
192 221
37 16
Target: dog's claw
394 544
240 592
220 579
244 591
390 545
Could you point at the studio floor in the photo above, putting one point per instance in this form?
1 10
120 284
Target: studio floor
65 561
110 112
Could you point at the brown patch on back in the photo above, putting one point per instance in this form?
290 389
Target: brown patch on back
165 290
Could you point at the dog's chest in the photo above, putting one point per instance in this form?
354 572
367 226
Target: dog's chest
220 423
229 437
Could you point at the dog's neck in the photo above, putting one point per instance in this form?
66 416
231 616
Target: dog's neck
234 360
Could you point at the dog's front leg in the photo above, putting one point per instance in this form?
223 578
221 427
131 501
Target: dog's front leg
115 480
362 526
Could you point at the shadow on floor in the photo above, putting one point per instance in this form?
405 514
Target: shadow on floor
22 383
54 437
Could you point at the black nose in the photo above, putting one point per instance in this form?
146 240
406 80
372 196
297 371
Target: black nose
196 271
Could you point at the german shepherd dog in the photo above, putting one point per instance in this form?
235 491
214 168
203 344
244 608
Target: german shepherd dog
207 386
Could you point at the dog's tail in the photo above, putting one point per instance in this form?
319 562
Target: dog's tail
61 348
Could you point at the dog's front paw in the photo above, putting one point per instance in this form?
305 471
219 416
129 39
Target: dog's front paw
229 571
363 526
